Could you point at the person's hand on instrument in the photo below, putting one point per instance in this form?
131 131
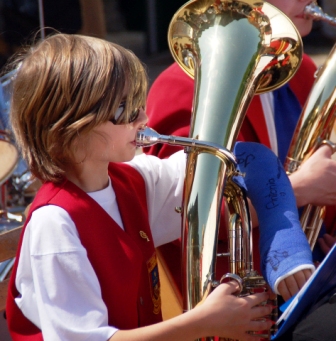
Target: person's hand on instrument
312 181
220 314
233 316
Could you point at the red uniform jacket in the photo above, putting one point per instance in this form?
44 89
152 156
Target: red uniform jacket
125 263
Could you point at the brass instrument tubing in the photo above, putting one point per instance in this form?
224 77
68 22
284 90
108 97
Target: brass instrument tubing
315 12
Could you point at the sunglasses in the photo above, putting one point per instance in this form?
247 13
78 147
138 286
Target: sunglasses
117 119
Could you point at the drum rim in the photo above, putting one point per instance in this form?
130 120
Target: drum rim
11 169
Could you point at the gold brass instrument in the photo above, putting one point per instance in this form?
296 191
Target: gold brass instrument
313 129
227 46
316 13
233 50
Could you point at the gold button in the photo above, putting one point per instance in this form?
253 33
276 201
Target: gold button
144 235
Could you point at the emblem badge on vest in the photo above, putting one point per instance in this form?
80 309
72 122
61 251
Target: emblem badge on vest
153 274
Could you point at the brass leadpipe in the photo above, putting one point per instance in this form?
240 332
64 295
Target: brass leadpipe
316 13
148 137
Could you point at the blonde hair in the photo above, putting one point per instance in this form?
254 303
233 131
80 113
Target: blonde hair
65 86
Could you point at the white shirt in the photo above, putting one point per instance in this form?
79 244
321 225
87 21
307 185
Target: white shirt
60 292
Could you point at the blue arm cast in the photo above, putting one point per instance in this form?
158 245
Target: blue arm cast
283 244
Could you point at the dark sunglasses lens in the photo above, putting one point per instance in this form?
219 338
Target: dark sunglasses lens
134 115
118 118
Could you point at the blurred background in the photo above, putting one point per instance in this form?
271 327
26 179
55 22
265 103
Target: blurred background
140 25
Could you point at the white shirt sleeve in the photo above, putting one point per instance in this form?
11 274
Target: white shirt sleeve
164 185
60 292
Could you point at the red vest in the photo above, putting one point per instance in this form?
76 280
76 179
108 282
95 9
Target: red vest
125 263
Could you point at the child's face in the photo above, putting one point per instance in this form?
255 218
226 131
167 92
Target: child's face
294 10
112 143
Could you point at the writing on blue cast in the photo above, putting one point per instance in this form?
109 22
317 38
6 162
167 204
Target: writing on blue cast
275 257
272 194
245 159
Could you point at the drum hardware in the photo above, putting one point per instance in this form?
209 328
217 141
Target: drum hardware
8 219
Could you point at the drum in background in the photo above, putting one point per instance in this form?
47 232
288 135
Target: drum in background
5 97
20 185
9 162
9 157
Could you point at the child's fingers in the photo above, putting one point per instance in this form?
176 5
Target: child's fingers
260 325
256 299
261 311
230 288
327 148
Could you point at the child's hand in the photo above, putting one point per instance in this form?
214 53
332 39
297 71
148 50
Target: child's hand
231 316
292 284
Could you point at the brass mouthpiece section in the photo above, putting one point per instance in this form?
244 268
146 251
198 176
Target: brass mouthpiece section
315 12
